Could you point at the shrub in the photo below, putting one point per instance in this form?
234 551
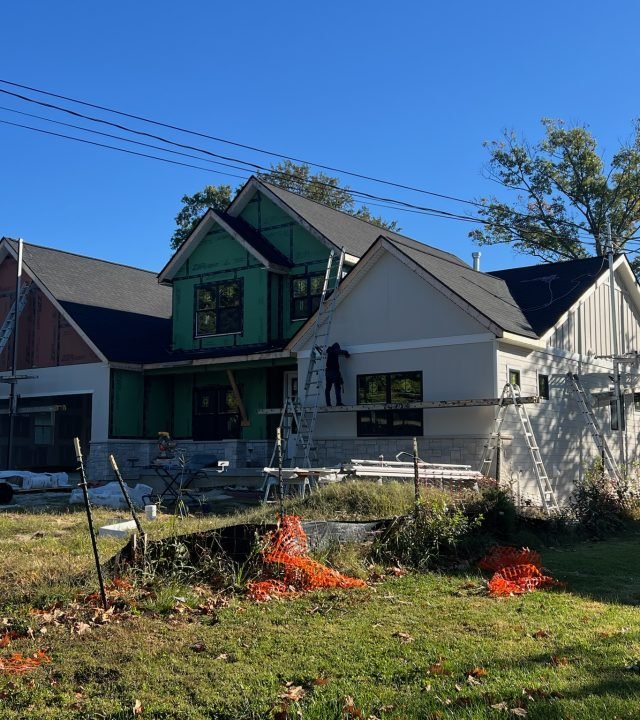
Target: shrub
600 505
498 512
428 537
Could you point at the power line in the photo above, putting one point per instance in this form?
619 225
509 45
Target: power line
123 150
236 144
425 211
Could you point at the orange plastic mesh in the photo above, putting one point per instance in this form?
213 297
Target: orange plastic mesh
286 555
18 663
504 556
516 571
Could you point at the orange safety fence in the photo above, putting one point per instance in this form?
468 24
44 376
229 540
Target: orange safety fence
516 571
286 555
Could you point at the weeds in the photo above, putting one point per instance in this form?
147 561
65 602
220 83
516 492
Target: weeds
430 536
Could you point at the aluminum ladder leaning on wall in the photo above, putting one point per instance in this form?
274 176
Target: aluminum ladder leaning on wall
300 413
580 395
511 396
10 321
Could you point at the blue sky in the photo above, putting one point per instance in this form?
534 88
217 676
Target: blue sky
406 91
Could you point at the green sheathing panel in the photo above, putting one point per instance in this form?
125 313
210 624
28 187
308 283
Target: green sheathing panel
158 405
219 257
182 405
307 253
127 403
260 386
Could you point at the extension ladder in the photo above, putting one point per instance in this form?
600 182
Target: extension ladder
299 414
511 395
10 321
581 398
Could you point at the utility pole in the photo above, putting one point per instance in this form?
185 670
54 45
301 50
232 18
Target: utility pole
13 395
615 349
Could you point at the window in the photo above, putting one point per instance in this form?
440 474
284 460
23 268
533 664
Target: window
215 414
636 402
306 292
514 377
43 428
387 389
543 386
219 308
613 405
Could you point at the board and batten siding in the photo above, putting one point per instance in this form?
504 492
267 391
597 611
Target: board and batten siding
566 446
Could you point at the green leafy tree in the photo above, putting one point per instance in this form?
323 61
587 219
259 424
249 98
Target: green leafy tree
566 194
295 177
195 206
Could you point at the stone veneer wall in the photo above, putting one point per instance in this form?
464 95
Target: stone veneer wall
134 455
457 451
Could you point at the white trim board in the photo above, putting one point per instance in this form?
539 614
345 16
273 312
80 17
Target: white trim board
413 344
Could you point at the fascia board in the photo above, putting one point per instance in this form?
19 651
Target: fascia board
219 361
50 297
169 271
522 341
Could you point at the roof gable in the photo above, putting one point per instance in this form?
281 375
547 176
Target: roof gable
240 230
120 311
545 292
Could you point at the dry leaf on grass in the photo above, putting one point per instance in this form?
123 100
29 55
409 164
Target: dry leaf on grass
438 668
559 660
518 712
293 693
138 708
403 637
540 634
198 647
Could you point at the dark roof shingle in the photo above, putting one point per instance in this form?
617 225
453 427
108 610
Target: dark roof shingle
122 309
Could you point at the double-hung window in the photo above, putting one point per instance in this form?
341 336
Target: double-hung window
387 389
306 292
218 308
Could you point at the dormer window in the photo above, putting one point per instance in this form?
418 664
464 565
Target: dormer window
218 308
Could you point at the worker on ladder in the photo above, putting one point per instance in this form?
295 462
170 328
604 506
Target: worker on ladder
332 375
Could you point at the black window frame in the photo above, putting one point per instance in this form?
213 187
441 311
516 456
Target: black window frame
636 402
221 420
614 412
218 312
393 422
516 373
543 386
311 300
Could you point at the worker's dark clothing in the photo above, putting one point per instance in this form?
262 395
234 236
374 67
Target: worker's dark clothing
333 377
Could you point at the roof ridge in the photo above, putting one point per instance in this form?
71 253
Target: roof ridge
85 257
382 230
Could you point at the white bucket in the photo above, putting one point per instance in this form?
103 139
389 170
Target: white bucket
151 512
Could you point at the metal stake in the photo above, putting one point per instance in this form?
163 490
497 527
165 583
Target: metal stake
125 492
416 476
83 485
280 481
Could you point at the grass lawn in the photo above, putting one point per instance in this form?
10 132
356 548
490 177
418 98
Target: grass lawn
414 646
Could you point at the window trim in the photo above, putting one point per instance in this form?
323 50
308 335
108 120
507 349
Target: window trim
391 413
544 395
308 298
216 285
517 372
